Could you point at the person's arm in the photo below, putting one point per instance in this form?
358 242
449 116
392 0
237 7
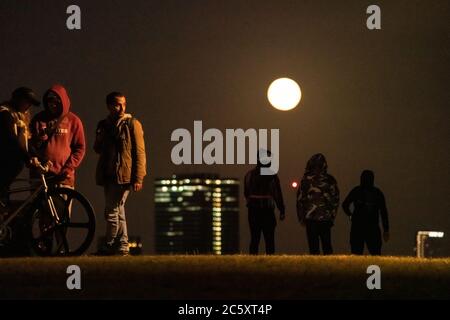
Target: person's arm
99 138
139 157
347 202
35 139
299 204
247 185
278 197
7 131
78 149
334 196
383 213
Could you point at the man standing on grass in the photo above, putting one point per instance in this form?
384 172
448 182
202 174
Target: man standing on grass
263 194
369 204
121 167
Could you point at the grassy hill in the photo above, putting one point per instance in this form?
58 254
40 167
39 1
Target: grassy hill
225 277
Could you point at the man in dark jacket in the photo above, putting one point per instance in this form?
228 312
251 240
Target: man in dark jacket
14 135
263 193
121 167
369 203
317 204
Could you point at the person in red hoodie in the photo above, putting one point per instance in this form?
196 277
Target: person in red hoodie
58 136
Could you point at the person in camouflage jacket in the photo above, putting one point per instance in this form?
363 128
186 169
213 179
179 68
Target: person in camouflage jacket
317 204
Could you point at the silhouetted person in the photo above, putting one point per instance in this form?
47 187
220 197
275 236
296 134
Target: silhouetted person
263 193
368 202
14 135
317 204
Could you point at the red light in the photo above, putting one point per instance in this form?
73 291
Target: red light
294 184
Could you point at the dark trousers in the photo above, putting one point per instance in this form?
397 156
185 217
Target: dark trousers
361 234
262 221
319 231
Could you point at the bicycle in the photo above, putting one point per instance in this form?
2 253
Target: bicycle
51 221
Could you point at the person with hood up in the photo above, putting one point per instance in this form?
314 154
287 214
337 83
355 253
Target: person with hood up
317 204
369 204
58 136
263 193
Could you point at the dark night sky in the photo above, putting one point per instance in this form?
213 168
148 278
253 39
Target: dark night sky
371 99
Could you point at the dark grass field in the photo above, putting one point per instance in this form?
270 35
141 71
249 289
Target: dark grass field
225 277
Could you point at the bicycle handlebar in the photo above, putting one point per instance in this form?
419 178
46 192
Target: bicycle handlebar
44 168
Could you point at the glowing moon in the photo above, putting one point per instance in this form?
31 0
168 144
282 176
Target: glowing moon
284 94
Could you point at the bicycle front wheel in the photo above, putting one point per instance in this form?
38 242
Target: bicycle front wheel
70 232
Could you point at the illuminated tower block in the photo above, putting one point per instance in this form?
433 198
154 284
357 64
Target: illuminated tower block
196 214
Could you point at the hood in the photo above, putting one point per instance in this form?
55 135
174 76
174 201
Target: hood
316 161
62 93
263 154
367 179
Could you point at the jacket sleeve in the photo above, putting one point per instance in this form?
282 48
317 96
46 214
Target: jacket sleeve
99 138
103 136
300 198
384 212
334 196
36 138
247 185
78 149
278 195
138 152
7 131
348 201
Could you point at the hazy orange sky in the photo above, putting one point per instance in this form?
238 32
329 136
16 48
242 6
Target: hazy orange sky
371 99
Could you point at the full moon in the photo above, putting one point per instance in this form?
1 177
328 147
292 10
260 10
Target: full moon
284 94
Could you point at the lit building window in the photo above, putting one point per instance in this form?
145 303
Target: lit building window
197 214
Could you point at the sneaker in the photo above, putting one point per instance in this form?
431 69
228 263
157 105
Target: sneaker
123 253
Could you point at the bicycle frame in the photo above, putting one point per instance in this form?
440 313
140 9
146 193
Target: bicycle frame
36 192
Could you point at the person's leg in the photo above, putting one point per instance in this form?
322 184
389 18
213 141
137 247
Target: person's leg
313 237
325 237
255 230
62 209
68 205
268 229
356 239
122 232
373 240
112 199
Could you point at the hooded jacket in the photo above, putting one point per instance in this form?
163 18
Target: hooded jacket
368 202
59 139
318 193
